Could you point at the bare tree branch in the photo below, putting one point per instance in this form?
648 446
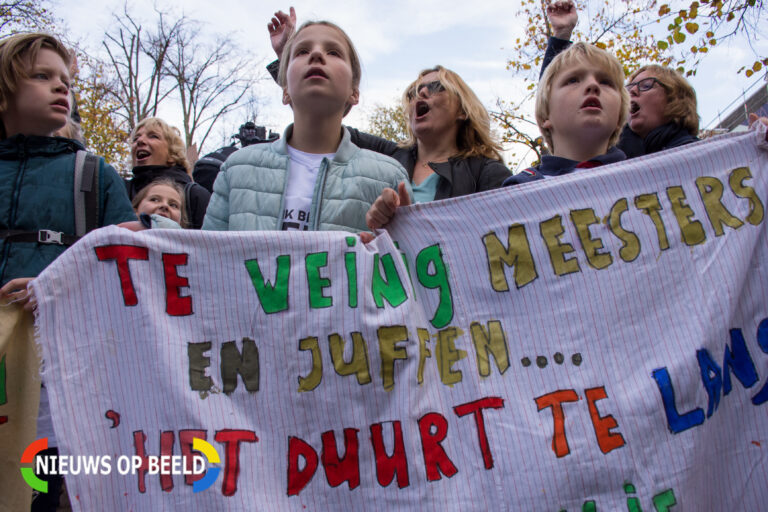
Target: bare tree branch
137 58
208 82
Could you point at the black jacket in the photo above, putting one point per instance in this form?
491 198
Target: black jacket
663 137
198 196
458 176
207 168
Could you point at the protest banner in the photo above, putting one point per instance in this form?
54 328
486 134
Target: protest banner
19 399
593 342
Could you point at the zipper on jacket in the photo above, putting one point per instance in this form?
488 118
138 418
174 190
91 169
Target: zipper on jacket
319 189
281 209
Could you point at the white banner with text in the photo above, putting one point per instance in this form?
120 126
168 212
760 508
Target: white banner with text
597 341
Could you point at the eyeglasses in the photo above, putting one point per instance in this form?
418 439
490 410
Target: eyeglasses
431 87
646 84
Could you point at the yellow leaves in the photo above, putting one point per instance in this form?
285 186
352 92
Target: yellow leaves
691 27
601 45
388 122
679 37
757 66
662 45
664 9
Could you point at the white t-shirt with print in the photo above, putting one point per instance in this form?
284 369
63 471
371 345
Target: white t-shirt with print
302 175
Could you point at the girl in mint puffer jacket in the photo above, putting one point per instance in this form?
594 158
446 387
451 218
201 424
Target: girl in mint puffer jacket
313 178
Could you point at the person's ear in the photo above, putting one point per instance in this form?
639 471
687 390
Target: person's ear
354 98
286 97
546 125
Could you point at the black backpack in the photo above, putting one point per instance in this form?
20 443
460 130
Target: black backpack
207 168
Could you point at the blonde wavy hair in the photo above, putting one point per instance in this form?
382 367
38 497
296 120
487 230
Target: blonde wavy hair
176 150
17 54
681 97
596 58
474 137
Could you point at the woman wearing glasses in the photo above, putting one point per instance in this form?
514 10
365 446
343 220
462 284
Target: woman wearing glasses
450 150
662 112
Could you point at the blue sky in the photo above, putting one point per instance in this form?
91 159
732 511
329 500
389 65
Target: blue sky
395 40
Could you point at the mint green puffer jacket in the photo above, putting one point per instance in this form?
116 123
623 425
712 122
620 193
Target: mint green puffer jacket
248 194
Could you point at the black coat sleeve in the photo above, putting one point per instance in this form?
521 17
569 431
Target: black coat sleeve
274 69
554 47
372 142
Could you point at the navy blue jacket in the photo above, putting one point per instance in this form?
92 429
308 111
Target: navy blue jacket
552 166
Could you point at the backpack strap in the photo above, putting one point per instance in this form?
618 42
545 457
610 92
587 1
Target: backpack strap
86 193
78 196
43 236
90 187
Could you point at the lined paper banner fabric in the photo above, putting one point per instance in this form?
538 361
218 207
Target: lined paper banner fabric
597 341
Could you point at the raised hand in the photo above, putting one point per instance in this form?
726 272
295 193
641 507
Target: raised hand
281 28
563 18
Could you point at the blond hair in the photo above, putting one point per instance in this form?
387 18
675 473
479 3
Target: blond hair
144 192
474 137
17 55
597 58
176 149
681 97
71 130
354 58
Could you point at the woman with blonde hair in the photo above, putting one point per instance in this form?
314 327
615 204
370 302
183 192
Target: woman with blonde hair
157 151
450 150
662 111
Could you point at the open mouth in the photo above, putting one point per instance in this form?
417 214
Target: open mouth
142 154
315 72
633 107
422 108
61 103
591 103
